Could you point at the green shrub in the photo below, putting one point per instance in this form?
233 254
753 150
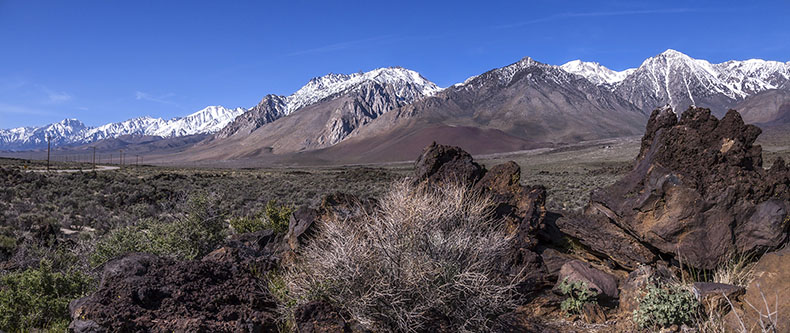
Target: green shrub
39 298
120 241
274 217
189 237
577 294
193 236
244 225
277 216
665 305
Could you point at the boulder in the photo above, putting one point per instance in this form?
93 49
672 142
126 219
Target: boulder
768 295
141 292
697 193
440 163
603 283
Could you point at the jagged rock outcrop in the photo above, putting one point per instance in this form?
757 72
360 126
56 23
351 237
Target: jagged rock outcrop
440 163
521 207
697 193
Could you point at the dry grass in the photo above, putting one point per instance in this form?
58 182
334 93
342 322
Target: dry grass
425 258
738 271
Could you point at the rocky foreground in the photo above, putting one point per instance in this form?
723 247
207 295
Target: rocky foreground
696 197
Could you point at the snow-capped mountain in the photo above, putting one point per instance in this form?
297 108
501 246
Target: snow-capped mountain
595 72
407 86
678 80
406 83
28 137
754 75
72 131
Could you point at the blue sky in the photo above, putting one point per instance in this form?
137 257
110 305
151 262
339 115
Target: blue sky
104 61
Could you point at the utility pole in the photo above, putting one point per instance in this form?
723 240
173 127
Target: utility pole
94 158
48 147
120 159
137 160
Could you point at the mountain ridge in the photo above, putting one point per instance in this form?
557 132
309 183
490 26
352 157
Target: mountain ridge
669 78
72 131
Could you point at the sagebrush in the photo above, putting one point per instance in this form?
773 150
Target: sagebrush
427 254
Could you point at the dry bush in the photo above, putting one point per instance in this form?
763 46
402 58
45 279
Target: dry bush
425 258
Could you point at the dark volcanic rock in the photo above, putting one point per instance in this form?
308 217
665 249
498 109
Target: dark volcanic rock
141 292
714 295
319 317
554 260
521 208
601 282
595 230
299 226
440 163
697 192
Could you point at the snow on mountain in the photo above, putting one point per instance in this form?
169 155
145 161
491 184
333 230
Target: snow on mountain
208 120
26 137
404 81
135 126
596 72
753 75
404 86
678 80
71 131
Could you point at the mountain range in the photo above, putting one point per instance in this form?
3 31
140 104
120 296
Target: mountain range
73 131
390 113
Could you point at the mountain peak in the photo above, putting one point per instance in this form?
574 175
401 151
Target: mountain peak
325 86
673 53
595 72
